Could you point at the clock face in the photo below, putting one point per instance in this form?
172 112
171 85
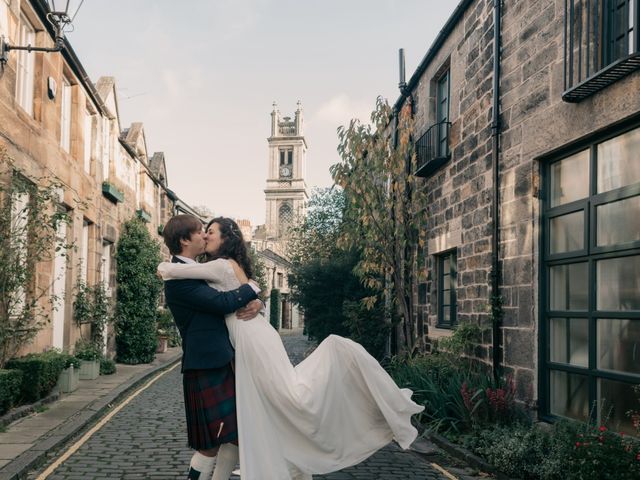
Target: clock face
285 171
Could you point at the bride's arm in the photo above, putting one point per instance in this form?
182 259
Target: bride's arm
210 271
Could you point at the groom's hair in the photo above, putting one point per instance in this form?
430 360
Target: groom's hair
180 227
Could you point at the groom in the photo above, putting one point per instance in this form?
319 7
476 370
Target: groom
208 378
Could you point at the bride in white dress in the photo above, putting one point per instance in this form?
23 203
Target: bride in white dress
331 411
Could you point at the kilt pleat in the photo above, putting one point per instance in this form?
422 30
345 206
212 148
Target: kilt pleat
210 407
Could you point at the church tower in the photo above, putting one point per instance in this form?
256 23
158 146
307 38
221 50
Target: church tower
286 192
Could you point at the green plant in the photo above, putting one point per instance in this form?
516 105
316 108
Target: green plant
137 256
91 307
274 308
167 326
86 350
30 226
386 208
40 372
71 360
10 381
107 367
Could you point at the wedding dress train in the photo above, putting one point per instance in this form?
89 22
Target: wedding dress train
331 411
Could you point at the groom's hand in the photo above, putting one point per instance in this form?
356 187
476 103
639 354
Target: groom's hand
250 310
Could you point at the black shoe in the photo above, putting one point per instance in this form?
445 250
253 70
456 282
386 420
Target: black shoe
193 474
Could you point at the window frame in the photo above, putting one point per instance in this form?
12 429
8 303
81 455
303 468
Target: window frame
452 255
25 66
66 114
591 253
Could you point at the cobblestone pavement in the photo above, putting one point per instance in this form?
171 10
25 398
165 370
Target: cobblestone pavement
147 439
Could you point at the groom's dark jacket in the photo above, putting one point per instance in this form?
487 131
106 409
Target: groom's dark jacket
199 311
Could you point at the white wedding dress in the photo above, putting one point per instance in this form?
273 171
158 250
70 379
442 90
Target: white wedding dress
331 411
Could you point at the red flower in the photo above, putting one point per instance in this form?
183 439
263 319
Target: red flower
578 444
602 428
638 456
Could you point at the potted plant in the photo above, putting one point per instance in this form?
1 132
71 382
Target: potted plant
163 341
89 356
70 376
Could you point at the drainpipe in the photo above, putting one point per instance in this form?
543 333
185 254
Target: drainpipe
495 145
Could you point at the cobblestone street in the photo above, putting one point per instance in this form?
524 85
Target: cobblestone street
147 439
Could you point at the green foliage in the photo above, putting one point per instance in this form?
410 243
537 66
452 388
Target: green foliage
107 367
137 256
70 360
323 282
40 372
167 326
565 450
29 225
274 308
386 211
259 271
87 350
10 381
91 307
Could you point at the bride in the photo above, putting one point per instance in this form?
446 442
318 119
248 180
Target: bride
331 411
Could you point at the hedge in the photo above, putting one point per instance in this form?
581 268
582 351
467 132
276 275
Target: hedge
40 373
10 381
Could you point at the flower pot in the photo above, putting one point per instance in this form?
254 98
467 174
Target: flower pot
69 379
89 369
163 343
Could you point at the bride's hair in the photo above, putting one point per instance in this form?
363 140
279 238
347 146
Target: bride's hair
233 244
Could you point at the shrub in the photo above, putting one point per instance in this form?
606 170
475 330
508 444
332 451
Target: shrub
274 308
88 351
137 256
107 367
167 326
40 372
70 360
10 381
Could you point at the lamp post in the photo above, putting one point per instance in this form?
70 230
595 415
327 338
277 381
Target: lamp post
57 17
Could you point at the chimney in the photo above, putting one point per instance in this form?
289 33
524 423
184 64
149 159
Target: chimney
402 84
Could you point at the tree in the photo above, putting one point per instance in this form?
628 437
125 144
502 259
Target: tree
29 234
386 213
323 281
138 293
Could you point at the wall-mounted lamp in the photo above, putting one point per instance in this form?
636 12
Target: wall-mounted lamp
59 19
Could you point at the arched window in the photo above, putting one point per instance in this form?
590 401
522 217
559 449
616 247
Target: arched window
285 217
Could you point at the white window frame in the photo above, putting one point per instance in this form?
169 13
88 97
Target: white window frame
25 66
4 21
106 148
65 115
88 140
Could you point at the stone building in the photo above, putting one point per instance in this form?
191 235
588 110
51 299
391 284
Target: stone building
528 139
286 198
55 122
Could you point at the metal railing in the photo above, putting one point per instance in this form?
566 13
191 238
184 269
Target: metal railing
432 149
287 128
601 44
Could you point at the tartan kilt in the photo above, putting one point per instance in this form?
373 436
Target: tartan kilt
210 407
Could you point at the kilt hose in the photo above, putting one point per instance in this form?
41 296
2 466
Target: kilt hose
210 407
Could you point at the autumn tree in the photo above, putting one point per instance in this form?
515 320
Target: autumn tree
386 211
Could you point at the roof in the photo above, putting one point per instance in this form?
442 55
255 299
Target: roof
448 27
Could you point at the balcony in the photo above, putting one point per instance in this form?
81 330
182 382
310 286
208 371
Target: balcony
112 193
432 149
143 215
601 45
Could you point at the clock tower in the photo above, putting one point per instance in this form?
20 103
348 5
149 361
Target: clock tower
286 192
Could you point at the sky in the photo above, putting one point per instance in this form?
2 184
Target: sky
202 75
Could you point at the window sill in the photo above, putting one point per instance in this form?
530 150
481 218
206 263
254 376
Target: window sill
438 332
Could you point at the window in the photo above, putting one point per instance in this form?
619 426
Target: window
107 272
285 217
600 45
447 283
25 66
20 206
280 280
442 114
591 317
432 148
106 148
88 140
65 116
286 156
4 29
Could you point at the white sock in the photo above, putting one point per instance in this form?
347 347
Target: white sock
228 457
201 467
